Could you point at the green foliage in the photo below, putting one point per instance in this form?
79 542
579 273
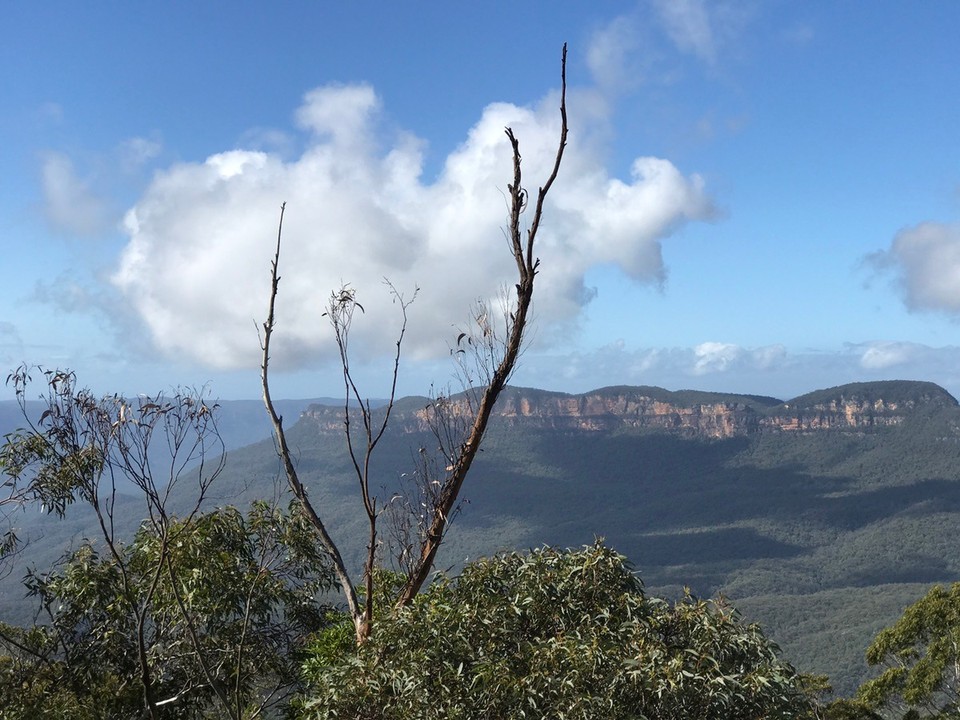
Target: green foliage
823 537
230 605
818 688
555 634
846 709
30 690
330 645
922 654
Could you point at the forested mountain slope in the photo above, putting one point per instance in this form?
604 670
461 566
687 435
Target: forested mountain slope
821 517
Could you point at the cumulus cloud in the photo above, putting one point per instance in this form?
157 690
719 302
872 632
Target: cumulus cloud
69 203
895 359
268 139
768 357
722 367
717 357
611 54
674 366
195 267
925 261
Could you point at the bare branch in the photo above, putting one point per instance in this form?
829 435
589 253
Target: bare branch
527 266
458 426
283 450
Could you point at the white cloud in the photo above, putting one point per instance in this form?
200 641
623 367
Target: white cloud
899 359
611 54
925 260
343 112
701 28
715 357
268 139
688 24
681 365
725 367
717 366
201 237
769 357
70 204
138 151
883 355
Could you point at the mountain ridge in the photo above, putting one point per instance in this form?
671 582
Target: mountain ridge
821 517
854 406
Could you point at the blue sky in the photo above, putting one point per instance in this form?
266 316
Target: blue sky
758 197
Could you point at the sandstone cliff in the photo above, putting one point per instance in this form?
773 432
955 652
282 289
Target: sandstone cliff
857 407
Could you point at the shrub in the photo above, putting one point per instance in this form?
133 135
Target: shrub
559 634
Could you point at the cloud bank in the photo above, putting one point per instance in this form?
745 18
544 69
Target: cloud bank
727 367
201 237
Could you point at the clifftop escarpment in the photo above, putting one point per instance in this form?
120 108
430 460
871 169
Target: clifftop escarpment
855 407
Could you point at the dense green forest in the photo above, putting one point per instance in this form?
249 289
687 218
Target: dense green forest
806 533
822 537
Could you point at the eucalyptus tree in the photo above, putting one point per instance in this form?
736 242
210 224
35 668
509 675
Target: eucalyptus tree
920 656
192 612
554 634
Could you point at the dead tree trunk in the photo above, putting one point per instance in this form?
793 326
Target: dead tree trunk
500 357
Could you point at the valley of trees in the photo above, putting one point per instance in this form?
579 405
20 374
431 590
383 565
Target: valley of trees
232 613
332 571
824 538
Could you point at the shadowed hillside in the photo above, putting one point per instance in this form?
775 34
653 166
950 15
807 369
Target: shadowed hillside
821 517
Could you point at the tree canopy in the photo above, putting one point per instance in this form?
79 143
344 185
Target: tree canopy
921 652
560 634
229 611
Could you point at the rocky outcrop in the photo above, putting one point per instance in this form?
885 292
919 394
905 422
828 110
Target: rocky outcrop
839 415
608 411
856 408
328 418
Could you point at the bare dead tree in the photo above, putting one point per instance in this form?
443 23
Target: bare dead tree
527 265
359 616
459 430
340 312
